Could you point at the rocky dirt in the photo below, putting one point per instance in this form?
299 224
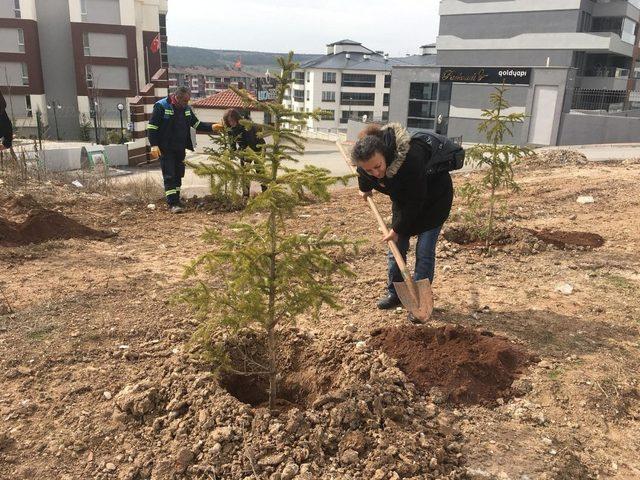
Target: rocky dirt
99 381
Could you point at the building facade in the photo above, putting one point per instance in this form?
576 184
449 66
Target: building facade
205 82
350 81
72 60
598 38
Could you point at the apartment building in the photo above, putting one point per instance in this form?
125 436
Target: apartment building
205 82
350 81
597 37
72 59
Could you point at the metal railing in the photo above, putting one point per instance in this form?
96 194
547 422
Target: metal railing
586 99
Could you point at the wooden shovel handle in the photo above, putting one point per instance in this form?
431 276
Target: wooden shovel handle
383 226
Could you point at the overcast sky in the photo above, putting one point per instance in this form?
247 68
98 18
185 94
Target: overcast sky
395 26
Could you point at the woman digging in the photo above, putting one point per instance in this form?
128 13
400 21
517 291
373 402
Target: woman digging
390 161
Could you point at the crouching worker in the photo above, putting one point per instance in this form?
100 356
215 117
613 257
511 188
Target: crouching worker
170 136
394 163
241 139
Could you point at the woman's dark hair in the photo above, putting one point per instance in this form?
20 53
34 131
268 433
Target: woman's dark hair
373 139
231 114
367 147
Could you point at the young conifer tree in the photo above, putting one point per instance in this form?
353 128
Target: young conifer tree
269 275
497 156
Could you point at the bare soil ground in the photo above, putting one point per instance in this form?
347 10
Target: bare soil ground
97 381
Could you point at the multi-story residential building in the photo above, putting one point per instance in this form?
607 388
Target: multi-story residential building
205 82
71 59
597 37
350 81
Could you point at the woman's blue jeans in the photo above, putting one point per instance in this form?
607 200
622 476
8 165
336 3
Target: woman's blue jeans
425 257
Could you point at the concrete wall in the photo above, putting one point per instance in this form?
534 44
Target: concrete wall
58 65
103 11
401 78
110 77
11 74
6 9
9 40
108 108
506 25
579 129
107 45
16 106
468 100
499 58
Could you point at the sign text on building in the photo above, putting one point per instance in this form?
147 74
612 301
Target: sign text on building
508 75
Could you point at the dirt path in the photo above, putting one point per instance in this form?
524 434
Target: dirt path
92 317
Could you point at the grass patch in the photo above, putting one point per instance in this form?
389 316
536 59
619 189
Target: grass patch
619 282
39 334
555 374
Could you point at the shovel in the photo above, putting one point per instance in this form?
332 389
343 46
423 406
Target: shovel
416 297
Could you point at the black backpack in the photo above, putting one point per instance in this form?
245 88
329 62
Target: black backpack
446 155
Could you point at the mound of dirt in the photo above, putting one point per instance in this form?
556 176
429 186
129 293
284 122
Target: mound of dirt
359 418
467 366
554 159
43 225
567 240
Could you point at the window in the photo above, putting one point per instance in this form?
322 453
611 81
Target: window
29 110
308 77
386 99
328 96
89 76
387 81
356 98
328 77
25 75
298 78
584 24
298 95
385 116
21 40
423 105
85 44
83 10
16 9
423 91
308 95
422 109
328 115
358 80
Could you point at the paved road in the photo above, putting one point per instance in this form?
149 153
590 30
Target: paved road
326 155
318 153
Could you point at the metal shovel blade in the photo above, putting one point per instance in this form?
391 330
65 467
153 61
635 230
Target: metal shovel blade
422 306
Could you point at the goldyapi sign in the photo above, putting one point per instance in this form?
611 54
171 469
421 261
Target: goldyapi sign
507 75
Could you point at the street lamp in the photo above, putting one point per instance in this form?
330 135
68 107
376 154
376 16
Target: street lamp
120 108
53 105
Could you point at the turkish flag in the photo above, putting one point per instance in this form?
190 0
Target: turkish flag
155 44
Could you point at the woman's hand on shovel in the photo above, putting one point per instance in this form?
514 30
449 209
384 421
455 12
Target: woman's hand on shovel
366 195
392 237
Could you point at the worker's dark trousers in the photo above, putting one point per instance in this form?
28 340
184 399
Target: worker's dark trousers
172 163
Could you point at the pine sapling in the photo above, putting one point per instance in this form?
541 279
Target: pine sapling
259 275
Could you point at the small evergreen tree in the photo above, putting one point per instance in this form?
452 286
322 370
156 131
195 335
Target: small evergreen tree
85 128
225 187
499 157
270 276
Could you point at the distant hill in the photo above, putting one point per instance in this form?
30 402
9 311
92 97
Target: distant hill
251 61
